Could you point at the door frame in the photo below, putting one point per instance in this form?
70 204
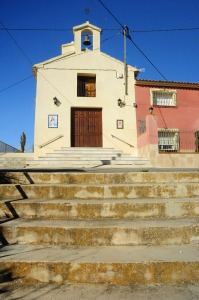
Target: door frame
86 127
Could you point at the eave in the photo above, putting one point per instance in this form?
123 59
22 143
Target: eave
49 61
171 84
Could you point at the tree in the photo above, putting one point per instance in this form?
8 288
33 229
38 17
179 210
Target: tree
23 141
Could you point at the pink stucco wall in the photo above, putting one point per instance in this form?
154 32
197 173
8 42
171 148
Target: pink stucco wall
185 116
150 136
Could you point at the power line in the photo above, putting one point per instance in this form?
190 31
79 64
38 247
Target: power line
164 30
106 39
42 74
110 37
125 28
27 58
35 29
110 13
147 58
50 29
30 60
38 70
16 83
103 29
89 47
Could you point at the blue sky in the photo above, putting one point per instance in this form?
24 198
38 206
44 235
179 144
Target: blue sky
174 53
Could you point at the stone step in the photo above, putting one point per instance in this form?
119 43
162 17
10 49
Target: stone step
86 154
128 177
68 162
92 160
87 149
97 209
111 228
118 266
105 232
53 156
87 162
131 161
92 156
99 191
89 156
95 157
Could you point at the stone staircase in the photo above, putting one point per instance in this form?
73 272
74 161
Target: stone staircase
112 228
89 157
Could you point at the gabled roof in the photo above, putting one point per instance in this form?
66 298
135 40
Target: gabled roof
164 83
85 26
48 61
62 56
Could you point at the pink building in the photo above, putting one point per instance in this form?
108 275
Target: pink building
172 124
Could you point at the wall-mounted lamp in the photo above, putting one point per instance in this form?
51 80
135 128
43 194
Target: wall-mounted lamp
150 110
121 103
135 105
56 101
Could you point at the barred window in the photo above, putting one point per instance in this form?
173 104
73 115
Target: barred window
163 97
168 140
86 86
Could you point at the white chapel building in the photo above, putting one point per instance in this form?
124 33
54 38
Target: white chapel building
84 98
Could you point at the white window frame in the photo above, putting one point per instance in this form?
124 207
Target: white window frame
168 142
164 101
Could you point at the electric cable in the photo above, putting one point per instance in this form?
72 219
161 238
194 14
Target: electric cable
50 29
103 29
146 57
111 13
164 30
45 77
83 52
35 29
129 37
16 83
27 58
40 72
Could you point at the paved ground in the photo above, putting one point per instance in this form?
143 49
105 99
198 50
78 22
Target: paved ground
101 292
97 169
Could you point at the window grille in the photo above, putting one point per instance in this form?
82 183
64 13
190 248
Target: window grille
141 126
163 97
86 86
168 140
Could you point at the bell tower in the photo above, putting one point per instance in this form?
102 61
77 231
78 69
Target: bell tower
86 36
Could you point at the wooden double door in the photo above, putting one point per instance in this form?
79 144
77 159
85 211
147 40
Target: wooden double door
86 127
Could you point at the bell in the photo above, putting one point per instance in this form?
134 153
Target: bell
86 41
